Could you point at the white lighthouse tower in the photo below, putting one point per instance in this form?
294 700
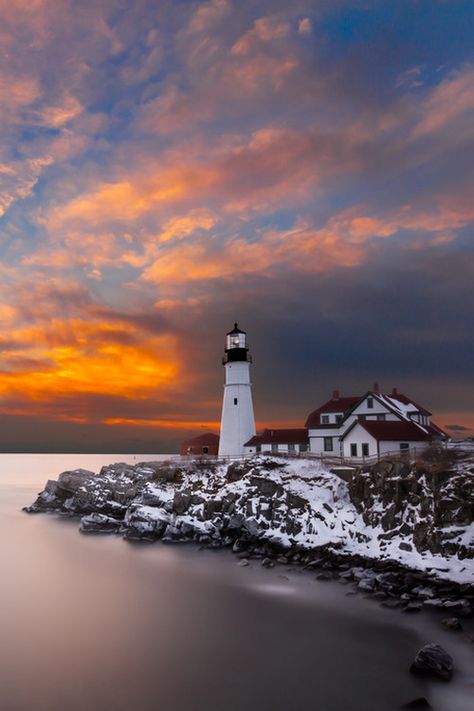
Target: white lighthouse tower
237 421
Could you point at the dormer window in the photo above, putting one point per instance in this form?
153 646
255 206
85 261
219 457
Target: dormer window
338 418
370 402
324 419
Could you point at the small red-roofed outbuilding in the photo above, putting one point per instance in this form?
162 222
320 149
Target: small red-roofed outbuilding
201 445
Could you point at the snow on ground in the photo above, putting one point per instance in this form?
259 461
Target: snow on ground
329 516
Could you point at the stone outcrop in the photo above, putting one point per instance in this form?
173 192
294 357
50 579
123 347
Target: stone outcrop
429 504
401 533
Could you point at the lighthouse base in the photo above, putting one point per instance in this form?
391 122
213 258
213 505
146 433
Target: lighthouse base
238 421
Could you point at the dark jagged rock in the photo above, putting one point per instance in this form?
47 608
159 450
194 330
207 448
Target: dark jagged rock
452 623
433 660
99 523
69 482
423 501
296 512
420 703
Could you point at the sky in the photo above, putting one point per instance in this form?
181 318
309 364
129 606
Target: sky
168 168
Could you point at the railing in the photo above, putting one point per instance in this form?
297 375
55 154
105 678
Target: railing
409 455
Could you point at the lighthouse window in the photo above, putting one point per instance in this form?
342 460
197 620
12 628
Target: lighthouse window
235 401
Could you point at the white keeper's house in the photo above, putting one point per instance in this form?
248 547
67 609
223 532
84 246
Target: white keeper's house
355 427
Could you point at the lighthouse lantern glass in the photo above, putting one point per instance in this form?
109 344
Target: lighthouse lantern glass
236 340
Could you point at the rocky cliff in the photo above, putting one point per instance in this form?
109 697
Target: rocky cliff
386 519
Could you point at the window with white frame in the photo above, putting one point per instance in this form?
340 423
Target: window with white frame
328 444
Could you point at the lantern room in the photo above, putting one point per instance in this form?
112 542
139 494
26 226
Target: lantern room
236 346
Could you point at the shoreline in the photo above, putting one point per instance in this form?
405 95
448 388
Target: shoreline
260 509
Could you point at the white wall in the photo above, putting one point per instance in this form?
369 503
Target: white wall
267 448
238 420
316 444
377 409
359 436
332 417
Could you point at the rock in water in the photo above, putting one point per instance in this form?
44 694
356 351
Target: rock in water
419 703
451 623
433 660
99 523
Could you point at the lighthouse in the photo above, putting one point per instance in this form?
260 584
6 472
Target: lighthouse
237 421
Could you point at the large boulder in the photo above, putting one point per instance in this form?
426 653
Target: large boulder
99 523
70 481
433 660
145 523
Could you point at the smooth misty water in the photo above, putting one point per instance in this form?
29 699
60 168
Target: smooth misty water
91 623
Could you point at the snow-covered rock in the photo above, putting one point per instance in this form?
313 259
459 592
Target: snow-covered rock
420 517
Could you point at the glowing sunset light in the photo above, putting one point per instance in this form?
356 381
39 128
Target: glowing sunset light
168 170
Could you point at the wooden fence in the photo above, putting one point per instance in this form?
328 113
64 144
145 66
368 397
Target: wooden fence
408 455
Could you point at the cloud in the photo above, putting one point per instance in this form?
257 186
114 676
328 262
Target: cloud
165 170
78 359
270 168
305 26
265 29
450 104
17 180
60 114
208 14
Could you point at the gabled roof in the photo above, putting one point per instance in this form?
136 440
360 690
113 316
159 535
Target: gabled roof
285 436
436 431
340 404
391 430
402 403
397 403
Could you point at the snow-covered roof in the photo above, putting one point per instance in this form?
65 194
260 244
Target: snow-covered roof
396 402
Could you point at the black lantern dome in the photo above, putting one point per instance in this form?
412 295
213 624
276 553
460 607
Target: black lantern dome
236 346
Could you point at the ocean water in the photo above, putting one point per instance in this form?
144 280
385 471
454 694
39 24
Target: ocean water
91 623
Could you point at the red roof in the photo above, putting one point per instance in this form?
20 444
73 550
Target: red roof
207 438
392 431
340 404
207 443
288 436
436 431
